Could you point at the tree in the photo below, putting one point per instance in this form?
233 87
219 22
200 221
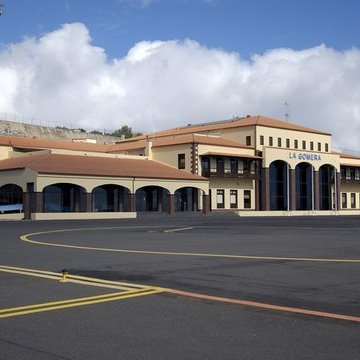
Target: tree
126 132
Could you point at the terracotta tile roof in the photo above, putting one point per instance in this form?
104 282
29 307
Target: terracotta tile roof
176 140
234 123
350 165
198 139
127 146
37 144
347 156
96 166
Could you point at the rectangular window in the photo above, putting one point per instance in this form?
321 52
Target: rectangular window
270 141
348 174
247 199
357 174
220 166
279 142
304 145
233 199
181 161
287 143
352 173
311 145
233 166
248 140
327 147
343 200
352 200
296 144
220 195
319 146
261 139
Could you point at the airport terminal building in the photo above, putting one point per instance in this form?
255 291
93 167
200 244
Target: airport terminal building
253 165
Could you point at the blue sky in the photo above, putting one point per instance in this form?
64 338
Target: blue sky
155 64
246 27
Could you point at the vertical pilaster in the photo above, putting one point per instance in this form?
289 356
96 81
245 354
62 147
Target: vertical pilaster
88 202
171 204
77 200
159 199
316 191
132 201
121 199
265 184
26 205
38 202
206 204
337 192
292 190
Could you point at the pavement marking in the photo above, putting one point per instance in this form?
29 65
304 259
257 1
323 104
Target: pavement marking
58 305
135 290
266 306
129 291
26 238
76 279
178 229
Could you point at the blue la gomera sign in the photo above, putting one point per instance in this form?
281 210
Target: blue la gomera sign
304 156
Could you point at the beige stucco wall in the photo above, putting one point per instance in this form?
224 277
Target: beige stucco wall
83 215
18 177
348 189
169 155
232 184
294 158
236 134
89 183
203 149
172 185
4 152
349 161
292 135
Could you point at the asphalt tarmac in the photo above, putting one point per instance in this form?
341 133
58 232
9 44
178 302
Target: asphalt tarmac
305 263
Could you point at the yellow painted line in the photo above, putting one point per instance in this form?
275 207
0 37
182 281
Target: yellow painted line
25 238
178 229
52 303
69 279
75 303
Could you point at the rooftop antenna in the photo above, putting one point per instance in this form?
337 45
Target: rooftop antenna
287 112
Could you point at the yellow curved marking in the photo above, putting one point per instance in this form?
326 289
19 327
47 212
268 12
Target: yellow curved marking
25 238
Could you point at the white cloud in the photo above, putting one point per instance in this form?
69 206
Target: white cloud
62 77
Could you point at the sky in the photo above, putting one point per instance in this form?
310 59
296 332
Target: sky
156 64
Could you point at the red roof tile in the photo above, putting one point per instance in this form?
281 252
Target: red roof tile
96 166
234 123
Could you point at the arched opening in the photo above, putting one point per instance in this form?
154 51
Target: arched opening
187 199
110 198
304 186
63 197
326 179
11 198
279 185
152 198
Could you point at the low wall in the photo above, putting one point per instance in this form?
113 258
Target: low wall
83 215
17 216
298 213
